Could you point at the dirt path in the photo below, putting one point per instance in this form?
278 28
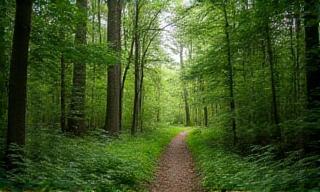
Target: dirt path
176 172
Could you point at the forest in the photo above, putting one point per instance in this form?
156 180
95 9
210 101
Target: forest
160 95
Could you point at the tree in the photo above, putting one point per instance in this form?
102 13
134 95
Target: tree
185 90
312 60
230 74
76 120
312 52
18 79
137 73
112 124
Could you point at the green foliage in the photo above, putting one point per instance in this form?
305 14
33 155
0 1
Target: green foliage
224 169
56 162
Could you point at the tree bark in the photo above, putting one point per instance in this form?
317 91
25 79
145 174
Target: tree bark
112 124
76 120
18 80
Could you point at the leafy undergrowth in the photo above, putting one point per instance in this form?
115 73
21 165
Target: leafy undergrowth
224 170
96 163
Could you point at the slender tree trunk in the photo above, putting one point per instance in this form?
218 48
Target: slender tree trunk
294 73
99 21
185 91
3 69
298 52
186 107
76 120
205 114
112 124
140 116
137 71
124 77
93 89
230 76
158 85
275 114
62 93
18 80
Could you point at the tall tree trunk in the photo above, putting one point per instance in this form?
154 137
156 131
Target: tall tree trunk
185 91
137 74
62 93
158 92
3 68
298 51
275 114
18 80
124 77
112 124
140 116
93 89
312 60
294 73
230 76
312 53
76 120
99 21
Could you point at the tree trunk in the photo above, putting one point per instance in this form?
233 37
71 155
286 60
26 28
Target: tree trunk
277 135
312 53
312 59
124 77
76 120
185 91
93 89
3 69
298 51
205 114
112 124
230 76
62 93
99 21
18 80
137 74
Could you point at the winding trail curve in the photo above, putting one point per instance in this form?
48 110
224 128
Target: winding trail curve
176 171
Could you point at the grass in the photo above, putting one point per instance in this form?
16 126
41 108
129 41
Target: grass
54 162
223 169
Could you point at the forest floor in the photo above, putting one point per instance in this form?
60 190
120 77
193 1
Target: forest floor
176 171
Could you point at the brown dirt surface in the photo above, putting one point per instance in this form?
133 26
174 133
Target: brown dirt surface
176 171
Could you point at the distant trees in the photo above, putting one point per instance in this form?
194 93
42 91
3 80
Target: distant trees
18 80
258 45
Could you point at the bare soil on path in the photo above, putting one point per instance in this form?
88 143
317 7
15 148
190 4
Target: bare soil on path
176 171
